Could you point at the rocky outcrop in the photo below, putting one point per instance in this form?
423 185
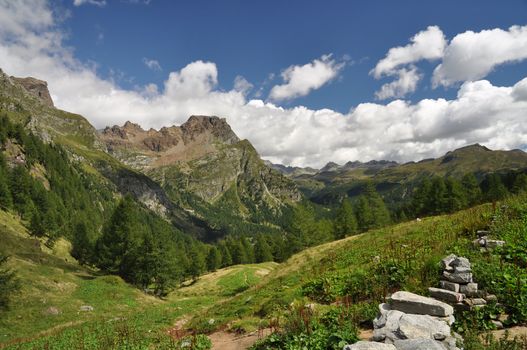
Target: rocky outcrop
36 87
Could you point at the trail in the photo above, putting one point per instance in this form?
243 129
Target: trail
222 340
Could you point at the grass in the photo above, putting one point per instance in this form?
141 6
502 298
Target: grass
52 280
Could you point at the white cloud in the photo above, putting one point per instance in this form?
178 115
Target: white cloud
301 80
30 44
406 82
152 64
242 85
425 45
471 56
100 3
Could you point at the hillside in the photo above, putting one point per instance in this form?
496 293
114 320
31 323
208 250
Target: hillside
205 159
346 277
395 181
199 176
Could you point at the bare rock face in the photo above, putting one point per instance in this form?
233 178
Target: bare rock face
36 87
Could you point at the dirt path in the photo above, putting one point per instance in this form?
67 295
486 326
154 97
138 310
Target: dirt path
229 341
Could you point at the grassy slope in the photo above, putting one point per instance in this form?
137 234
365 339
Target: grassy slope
234 298
429 240
53 279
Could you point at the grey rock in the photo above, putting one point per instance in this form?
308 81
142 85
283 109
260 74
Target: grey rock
86 308
479 301
445 262
399 325
52 310
461 262
418 344
446 295
417 304
366 345
458 277
492 243
470 289
491 298
454 287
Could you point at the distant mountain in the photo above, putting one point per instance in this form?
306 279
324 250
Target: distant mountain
395 180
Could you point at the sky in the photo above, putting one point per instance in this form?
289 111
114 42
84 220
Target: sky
307 82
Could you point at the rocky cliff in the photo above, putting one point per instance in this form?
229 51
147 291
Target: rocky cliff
203 156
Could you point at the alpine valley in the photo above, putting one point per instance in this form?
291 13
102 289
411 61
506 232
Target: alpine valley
183 237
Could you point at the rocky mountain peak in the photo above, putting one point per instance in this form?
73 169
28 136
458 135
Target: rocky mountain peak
36 87
218 127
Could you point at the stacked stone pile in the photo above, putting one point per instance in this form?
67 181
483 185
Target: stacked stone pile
457 286
411 322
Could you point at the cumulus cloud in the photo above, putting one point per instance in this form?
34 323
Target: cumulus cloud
399 130
471 56
406 82
152 64
99 3
425 45
301 80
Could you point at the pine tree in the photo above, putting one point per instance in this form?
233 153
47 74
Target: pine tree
6 201
472 189
438 196
82 244
213 259
456 198
226 258
302 227
197 262
495 190
519 185
370 209
262 250
119 239
8 284
36 225
345 222
421 198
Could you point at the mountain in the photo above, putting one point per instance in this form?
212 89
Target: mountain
204 158
199 175
395 181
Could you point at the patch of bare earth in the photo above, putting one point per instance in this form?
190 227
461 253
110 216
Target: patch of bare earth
519 331
222 340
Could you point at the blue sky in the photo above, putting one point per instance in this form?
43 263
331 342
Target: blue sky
307 82
257 38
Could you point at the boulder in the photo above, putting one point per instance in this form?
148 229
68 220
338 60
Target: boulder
419 344
454 287
446 295
367 345
416 304
458 277
397 325
482 233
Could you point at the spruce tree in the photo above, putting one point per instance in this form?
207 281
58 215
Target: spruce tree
456 197
370 209
519 185
119 238
421 198
471 188
345 222
82 244
226 258
262 250
495 190
213 259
